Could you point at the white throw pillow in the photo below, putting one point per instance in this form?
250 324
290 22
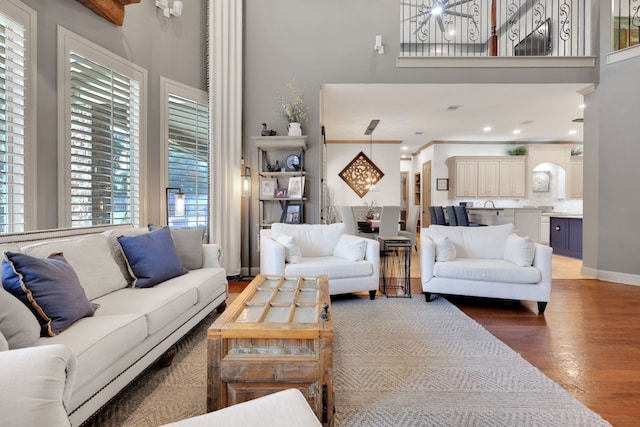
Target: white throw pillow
445 250
292 253
519 250
350 247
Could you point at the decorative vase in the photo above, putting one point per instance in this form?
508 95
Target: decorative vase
295 129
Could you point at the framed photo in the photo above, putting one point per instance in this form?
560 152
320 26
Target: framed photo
268 187
296 187
442 184
293 213
281 193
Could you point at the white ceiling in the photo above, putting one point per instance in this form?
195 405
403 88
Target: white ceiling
542 112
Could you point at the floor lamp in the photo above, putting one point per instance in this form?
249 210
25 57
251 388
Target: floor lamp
246 194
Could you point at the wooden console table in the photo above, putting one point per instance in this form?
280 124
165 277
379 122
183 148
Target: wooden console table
277 334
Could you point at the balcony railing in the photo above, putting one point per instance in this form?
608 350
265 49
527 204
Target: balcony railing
494 28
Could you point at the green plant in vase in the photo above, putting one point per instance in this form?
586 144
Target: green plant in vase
294 110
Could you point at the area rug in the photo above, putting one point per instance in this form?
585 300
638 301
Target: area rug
397 362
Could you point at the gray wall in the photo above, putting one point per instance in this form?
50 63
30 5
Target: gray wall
612 150
331 41
174 48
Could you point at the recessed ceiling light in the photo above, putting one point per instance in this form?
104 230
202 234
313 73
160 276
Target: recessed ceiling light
572 132
486 128
582 106
405 148
517 131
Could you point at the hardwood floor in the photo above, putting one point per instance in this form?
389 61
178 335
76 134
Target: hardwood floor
588 340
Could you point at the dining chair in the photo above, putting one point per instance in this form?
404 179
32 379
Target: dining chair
349 220
432 215
440 218
451 216
389 221
412 225
462 217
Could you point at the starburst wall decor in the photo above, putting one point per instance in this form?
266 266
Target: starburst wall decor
360 173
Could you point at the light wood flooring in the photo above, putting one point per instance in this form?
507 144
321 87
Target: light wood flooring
588 340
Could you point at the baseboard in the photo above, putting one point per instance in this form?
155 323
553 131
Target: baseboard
611 276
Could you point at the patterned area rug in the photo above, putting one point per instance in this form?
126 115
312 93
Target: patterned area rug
397 362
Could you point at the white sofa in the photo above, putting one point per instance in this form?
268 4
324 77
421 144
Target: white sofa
132 327
487 261
352 263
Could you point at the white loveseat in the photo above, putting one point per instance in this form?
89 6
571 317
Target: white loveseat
130 329
487 261
352 263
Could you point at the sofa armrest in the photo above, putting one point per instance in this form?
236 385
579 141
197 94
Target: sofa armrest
271 254
427 257
542 261
37 384
211 255
372 255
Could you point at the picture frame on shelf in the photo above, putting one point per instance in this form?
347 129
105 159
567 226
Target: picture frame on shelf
281 193
268 187
296 187
442 184
293 213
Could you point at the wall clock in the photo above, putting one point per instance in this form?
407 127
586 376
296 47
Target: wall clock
293 162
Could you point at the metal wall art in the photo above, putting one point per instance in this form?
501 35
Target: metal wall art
360 173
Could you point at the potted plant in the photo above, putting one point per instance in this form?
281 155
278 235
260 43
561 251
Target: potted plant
294 110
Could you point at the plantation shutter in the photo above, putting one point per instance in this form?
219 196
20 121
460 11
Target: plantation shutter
188 159
12 125
105 145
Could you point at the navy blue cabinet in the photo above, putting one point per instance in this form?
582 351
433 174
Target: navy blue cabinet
566 236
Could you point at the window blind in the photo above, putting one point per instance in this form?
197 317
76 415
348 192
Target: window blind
105 144
12 125
188 159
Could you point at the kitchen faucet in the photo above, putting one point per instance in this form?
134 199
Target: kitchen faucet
493 205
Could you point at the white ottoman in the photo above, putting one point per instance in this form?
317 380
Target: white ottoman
287 408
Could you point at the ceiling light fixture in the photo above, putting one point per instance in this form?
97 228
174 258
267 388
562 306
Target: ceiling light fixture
582 106
517 131
371 180
572 132
486 128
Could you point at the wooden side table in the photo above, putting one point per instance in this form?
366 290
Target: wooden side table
395 262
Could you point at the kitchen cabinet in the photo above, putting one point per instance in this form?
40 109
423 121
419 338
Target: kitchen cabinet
512 178
566 236
575 178
466 179
545 227
487 177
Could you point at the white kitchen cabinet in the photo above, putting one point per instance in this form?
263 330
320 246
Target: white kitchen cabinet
488 178
544 229
512 178
575 178
465 183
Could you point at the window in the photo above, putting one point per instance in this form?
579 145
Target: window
103 123
186 131
17 116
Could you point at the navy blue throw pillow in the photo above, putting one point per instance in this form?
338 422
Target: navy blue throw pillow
152 257
49 287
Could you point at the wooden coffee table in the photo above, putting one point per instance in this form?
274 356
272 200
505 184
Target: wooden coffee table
277 334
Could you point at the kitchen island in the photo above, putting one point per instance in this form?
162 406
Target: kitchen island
526 221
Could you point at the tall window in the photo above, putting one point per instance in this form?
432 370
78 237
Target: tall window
103 142
17 57
187 131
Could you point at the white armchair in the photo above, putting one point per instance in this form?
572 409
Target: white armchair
352 263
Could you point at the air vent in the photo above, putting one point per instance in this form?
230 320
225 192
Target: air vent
453 107
578 120
526 122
